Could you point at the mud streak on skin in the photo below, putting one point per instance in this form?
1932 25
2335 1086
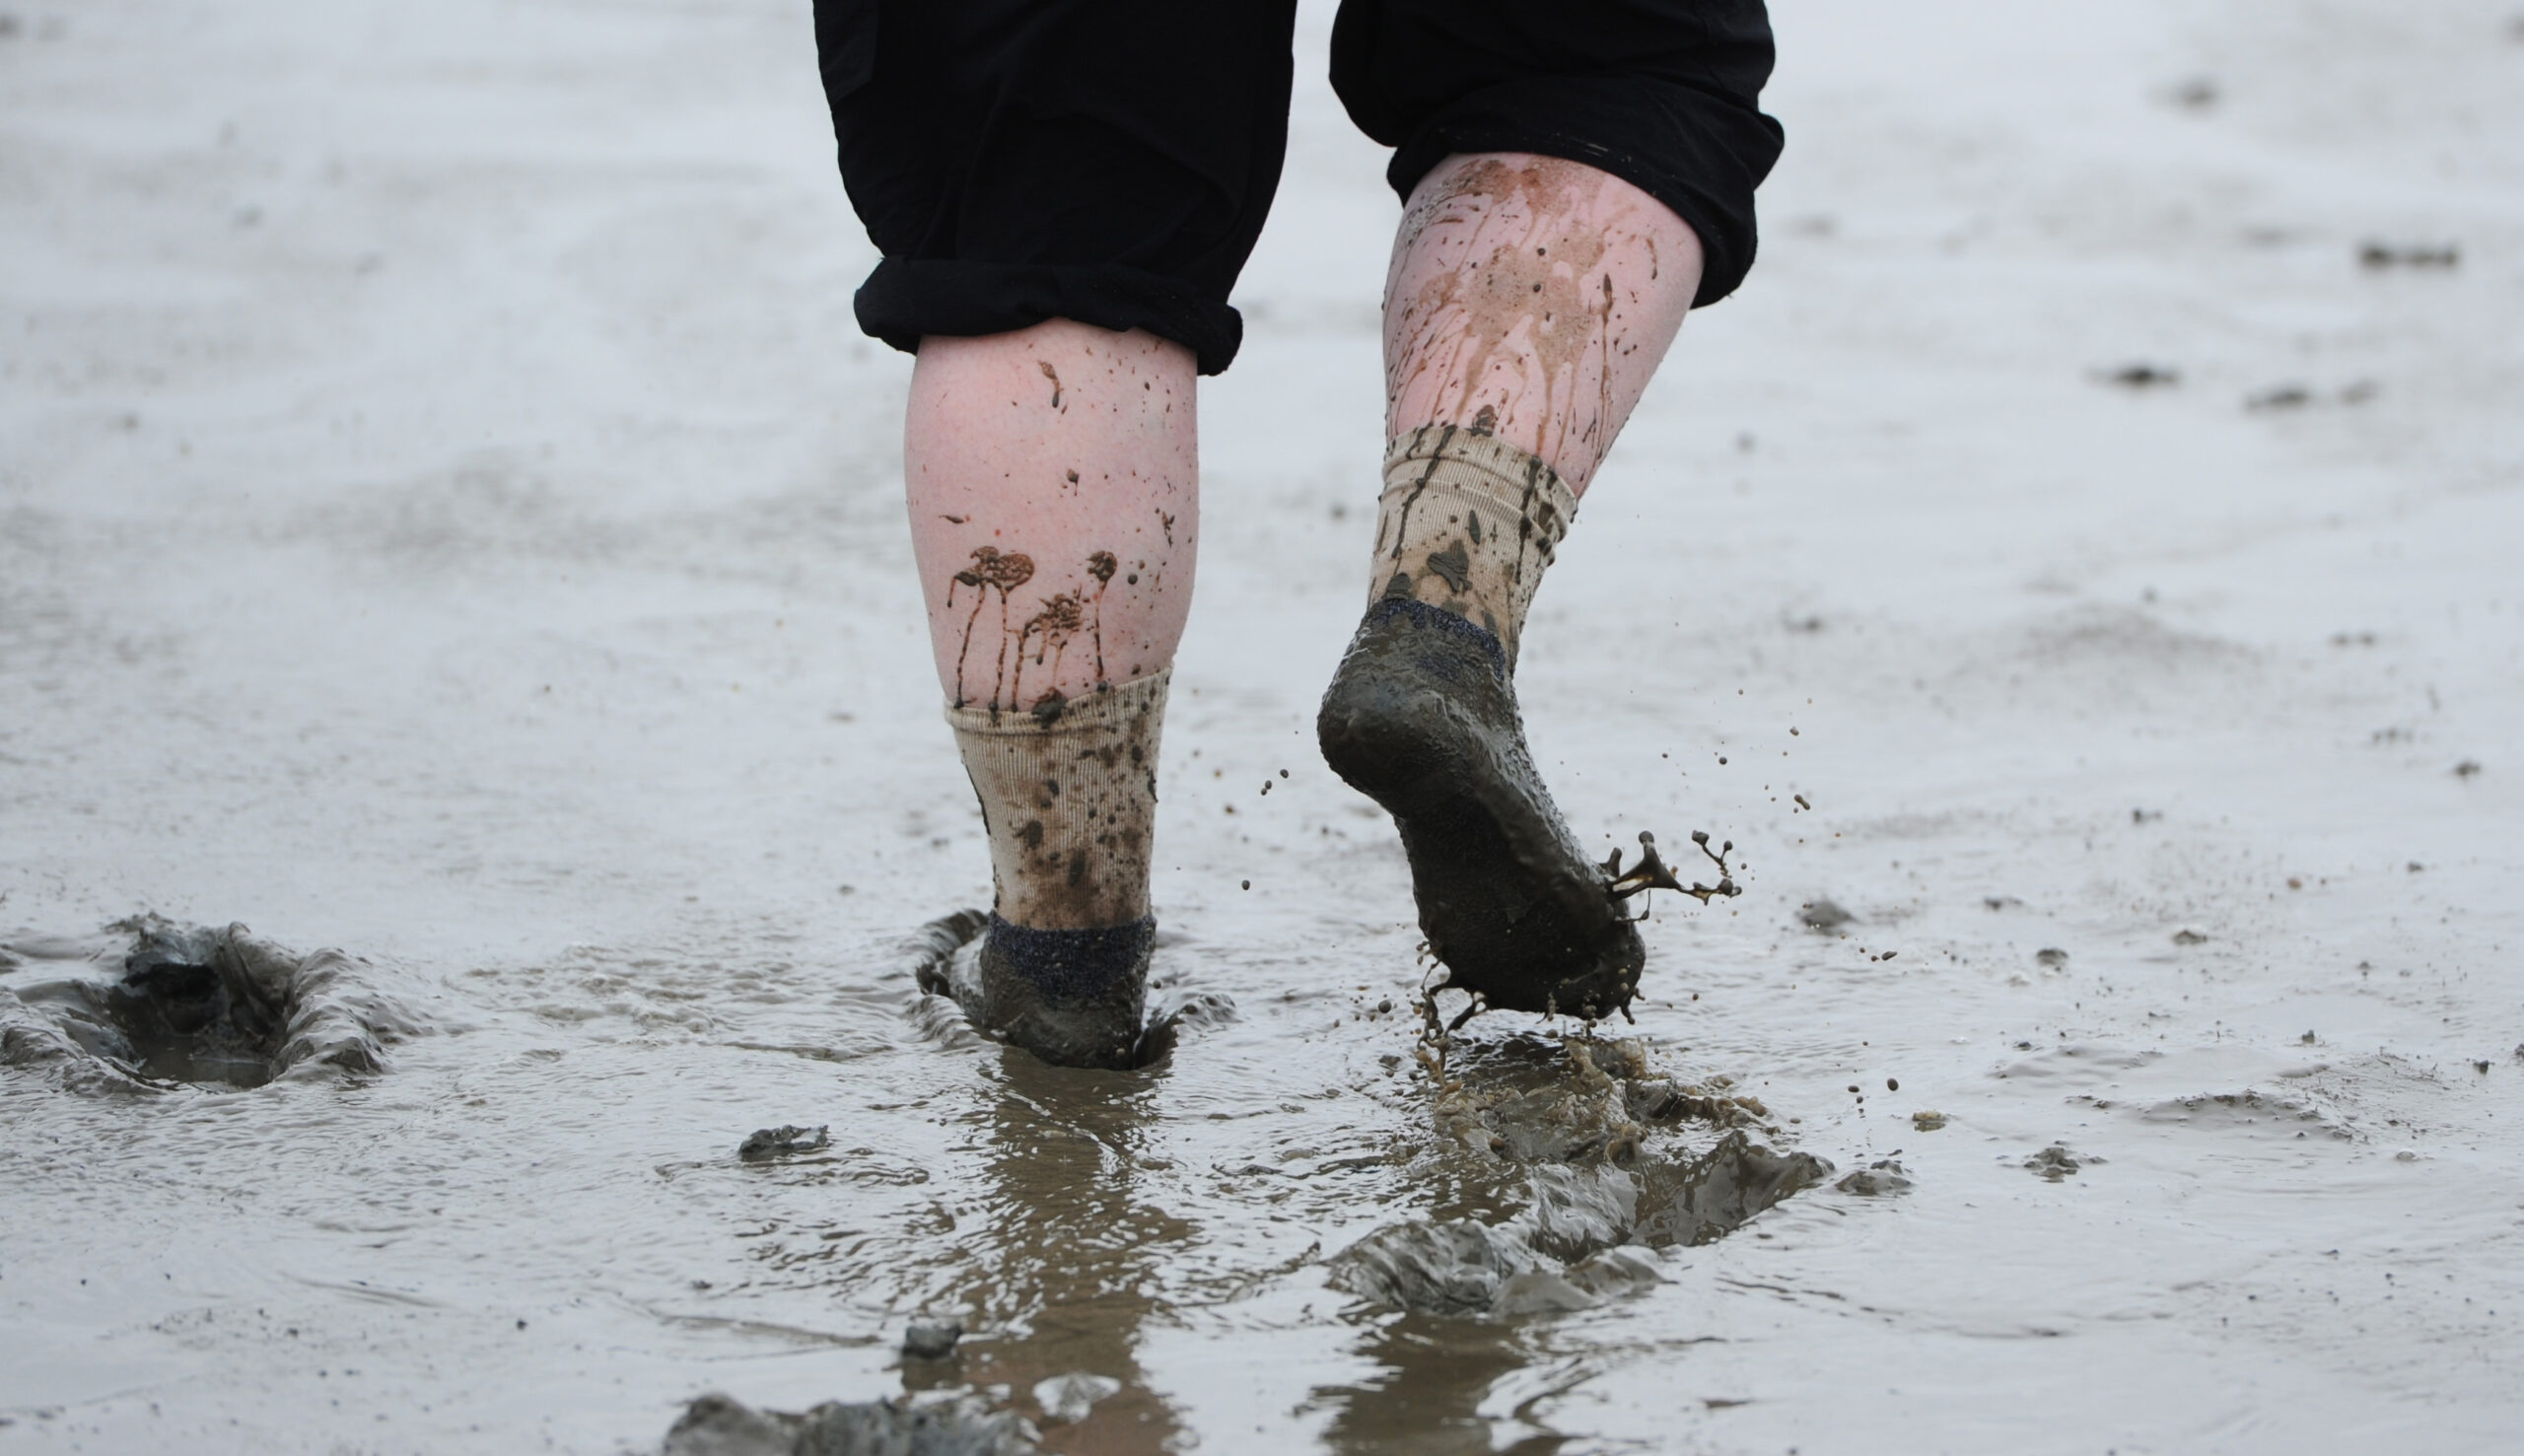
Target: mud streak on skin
1517 308
1402 521
1063 616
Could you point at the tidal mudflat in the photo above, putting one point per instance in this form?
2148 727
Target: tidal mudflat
452 577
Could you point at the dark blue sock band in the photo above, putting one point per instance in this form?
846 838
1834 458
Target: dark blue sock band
1074 965
1438 619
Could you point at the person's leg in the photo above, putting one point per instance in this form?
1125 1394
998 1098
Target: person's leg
1064 192
1053 484
1529 300
1574 176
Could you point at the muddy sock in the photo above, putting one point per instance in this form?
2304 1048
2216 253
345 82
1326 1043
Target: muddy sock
1467 524
1422 718
1068 796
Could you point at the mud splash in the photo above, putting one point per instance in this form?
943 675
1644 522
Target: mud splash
1615 1165
150 1004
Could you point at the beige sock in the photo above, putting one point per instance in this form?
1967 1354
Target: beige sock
1069 798
1468 522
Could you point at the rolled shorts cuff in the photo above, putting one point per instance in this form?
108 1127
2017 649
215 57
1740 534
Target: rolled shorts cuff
1701 156
905 299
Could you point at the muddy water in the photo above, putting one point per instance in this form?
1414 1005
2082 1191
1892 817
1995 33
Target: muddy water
588 1131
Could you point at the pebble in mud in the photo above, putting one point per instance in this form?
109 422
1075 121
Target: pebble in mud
1877 1179
932 1340
2378 255
766 1144
2142 375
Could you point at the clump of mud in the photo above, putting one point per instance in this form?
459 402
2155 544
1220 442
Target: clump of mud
1878 1179
721 1425
1606 1161
151 1002
786 1141
2056 1162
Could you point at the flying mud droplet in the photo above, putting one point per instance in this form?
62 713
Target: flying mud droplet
1653 873
150 1004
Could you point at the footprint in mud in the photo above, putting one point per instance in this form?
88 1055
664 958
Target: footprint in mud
151 1002
1609 1162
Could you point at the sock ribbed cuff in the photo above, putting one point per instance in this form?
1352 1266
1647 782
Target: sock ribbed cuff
1468 523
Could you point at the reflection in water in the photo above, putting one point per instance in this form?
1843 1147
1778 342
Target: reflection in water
1557 1167
1425 1401
1063 1259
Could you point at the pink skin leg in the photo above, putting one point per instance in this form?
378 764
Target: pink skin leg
1054 487
1533 297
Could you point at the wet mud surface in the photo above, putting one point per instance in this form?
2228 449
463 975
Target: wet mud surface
475 542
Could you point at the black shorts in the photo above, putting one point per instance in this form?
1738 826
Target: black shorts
1113 161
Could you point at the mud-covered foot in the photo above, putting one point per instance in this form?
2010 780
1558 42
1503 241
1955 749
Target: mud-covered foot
1073 998
1422 719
